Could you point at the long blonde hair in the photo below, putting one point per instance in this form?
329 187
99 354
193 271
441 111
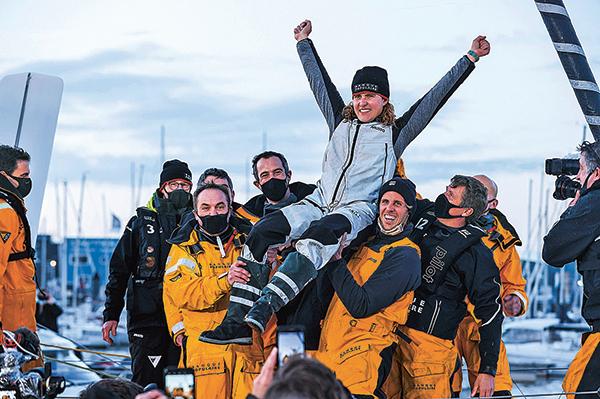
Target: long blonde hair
386 117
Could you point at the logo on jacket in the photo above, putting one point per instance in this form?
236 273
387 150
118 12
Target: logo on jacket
377 128
5 235
437 263
154 360
150 261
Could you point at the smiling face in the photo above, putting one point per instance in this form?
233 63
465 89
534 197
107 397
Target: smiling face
368 106
392 210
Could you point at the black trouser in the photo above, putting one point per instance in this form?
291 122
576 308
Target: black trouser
275 229
151 349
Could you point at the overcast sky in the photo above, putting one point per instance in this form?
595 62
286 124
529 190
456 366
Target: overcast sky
221 75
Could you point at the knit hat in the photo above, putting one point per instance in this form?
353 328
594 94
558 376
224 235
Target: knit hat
404 187
373 79
174 170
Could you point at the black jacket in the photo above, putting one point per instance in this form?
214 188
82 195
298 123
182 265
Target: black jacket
472 273
576 237
137 266
256 204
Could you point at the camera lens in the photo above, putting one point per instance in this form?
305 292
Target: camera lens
565 188
562 166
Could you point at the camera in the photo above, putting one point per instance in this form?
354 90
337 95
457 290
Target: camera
290 342
564 187
18 348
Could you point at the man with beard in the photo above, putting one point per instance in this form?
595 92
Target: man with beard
137 266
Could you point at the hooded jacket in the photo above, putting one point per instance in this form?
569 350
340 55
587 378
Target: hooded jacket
138 263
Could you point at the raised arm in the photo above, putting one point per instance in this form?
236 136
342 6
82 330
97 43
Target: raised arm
412 123
328 98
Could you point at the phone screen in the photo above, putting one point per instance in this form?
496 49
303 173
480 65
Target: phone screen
179 383
289 343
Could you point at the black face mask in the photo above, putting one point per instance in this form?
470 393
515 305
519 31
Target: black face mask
275 189
179 198
442 208
24 185
214 224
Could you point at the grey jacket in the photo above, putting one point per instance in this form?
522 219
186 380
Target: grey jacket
362 156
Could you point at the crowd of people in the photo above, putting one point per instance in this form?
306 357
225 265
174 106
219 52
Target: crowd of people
393 290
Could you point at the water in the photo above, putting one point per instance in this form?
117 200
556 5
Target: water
549 386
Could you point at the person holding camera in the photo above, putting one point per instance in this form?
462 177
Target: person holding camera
576 237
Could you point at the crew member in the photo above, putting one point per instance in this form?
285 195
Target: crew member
455 264
137 266
272 176
501 237
239 220
365 141
17 270
220 176
200 272
574 237
373 292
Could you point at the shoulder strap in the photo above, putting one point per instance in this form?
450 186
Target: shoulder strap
421 226
436 263
17 206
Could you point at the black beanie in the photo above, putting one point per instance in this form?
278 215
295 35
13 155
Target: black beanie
373 79
174 170
404 187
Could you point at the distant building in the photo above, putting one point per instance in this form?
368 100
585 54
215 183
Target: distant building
87 266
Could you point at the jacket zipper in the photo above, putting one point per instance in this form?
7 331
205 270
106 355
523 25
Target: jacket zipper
350 157
384 164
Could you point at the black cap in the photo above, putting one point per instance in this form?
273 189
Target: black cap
373 79
175 170
404 187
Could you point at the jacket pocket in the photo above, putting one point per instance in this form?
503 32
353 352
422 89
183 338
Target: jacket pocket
144 296
421 370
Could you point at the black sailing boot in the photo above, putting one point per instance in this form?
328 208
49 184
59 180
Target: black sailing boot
291 277
232 329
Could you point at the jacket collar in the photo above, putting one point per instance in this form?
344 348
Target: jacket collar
7 187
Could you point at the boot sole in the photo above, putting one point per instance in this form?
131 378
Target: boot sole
237 341
255 325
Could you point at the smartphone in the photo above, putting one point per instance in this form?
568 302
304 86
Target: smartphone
290 341
179 383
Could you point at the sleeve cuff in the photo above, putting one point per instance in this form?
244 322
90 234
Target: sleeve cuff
223 283
491 370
